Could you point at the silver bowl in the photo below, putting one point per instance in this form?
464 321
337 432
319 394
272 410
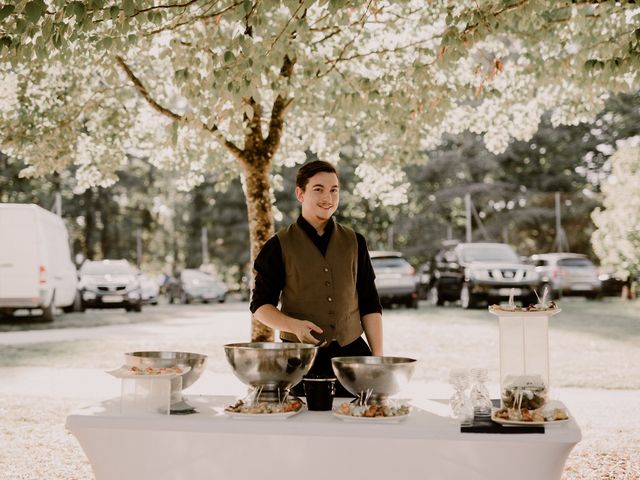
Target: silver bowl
376 377
270 367
160 359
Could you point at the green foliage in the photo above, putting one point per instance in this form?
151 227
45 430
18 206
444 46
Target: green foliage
398 77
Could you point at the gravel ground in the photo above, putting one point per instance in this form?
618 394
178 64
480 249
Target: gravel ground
594 349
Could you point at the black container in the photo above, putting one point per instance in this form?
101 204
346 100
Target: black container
319 392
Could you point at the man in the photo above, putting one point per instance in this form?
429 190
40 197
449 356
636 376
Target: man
321 273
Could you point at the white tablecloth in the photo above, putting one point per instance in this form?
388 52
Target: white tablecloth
313 445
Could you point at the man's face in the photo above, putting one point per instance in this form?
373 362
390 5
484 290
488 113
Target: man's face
320 197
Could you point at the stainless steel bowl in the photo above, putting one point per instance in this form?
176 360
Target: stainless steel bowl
381 377
160 359
271 367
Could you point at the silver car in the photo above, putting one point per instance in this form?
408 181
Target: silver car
396 279
568 274
193 285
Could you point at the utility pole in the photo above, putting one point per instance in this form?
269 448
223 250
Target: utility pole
561 242
138 247
205 249
467 211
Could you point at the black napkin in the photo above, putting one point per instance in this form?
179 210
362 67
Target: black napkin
486 425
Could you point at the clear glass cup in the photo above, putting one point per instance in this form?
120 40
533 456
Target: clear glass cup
459 402
479 395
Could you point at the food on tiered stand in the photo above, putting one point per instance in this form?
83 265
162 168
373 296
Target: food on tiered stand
539 415
538 307
543 305
524 399
524 362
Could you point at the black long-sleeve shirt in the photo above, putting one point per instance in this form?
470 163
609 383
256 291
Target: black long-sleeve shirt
270 274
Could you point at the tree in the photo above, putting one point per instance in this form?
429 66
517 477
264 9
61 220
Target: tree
617 238
234 87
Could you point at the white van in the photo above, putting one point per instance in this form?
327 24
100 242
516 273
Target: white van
36 271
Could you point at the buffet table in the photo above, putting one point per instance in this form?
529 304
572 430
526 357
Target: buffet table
313 445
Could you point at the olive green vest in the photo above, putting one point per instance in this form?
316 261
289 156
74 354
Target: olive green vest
321 289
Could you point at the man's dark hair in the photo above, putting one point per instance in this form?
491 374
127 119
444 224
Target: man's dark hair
308 170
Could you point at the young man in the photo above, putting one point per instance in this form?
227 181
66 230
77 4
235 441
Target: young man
321 273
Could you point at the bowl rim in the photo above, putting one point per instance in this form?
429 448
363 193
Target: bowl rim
280 346
138 354
350 360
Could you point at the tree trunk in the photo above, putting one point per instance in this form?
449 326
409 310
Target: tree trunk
258 199
255 159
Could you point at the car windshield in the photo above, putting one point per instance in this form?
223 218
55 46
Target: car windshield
389 262
575 262
104 268
489 253
191 275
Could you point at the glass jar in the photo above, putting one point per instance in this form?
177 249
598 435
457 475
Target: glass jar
524 392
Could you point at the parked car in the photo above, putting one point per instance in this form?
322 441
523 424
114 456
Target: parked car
36 270
191 285
396 279
110 284
149 289
613 284
476 273
568 274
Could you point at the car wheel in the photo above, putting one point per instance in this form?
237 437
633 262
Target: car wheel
185 298
412 303
467 299
48 311
597 295
222 299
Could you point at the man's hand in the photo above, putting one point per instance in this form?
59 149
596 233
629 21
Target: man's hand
303 329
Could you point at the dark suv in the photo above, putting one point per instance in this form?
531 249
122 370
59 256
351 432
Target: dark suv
481 272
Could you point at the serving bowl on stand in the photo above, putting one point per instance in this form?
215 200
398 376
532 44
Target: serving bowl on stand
373 379
271 368
161 359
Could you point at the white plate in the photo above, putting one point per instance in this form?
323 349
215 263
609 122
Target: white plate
540 313
124 372
351 418
261 416
502 421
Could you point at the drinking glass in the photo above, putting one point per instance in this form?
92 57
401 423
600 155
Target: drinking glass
459 402
479 395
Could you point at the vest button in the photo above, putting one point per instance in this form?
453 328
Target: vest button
326 269
329 299
327 283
